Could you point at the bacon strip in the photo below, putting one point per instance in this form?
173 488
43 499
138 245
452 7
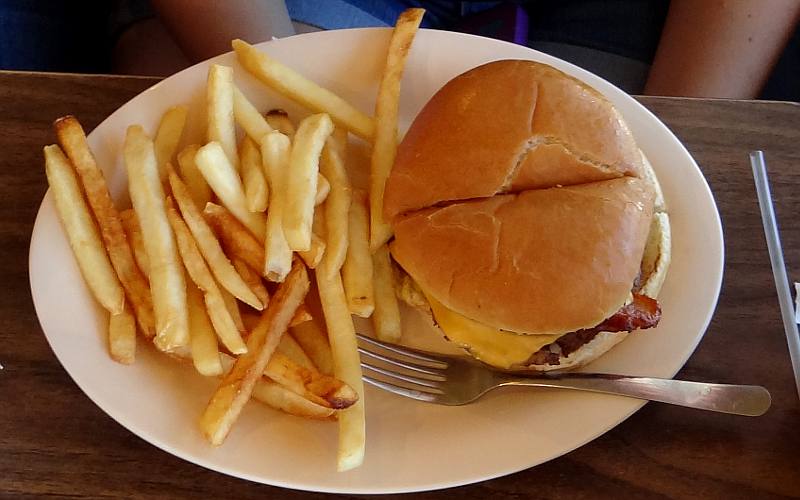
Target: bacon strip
644 312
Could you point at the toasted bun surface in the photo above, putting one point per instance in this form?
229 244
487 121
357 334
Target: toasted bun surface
549 261
508 126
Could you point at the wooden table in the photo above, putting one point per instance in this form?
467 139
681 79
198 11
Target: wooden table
54 441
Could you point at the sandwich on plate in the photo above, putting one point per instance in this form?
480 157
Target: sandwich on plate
527 221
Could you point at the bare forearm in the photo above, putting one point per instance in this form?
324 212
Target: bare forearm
205 29
720 48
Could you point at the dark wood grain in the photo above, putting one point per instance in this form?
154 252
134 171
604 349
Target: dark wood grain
54 441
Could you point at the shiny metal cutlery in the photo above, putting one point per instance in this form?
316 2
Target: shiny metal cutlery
451 380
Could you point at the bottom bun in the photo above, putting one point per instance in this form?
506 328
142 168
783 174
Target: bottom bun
588 352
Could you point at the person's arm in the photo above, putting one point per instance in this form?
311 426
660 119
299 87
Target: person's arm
720 48
205 29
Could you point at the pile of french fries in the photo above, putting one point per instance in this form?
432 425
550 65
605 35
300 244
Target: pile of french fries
211 264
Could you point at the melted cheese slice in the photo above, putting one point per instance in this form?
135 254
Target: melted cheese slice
496 347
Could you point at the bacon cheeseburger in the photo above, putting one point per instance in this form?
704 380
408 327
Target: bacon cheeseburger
526 219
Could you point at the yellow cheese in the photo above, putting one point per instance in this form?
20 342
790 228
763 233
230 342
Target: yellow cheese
490 345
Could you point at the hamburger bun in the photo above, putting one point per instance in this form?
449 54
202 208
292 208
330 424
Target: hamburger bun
508 126
513 351
523 211
507 261
654 270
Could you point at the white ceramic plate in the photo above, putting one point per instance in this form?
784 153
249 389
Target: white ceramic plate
411 446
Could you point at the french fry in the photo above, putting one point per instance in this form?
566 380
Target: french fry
317 251
166 272
347 367
384 146
122 337
183 353
221 124
226 184
134 234
280 398
335 392
201 276
301 316
256 193
237 386
323 188
315 344
292 350
232 305
83 236
248 117
318 388
168 136
279 120
275 395
338 143
275 148
313 256
250 320
207 242
252 279
301 181
194 180
73 141
237 240
290 375
298 88
318 227
337 206
293 369
205 352
357 271
386 317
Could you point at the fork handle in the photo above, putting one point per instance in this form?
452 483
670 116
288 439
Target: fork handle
748 400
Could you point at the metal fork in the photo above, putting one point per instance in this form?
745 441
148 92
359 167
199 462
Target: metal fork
452 380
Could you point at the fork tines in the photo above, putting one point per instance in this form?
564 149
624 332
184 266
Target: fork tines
404 371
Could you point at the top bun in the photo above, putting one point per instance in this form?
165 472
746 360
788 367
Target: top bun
508 126
548 261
